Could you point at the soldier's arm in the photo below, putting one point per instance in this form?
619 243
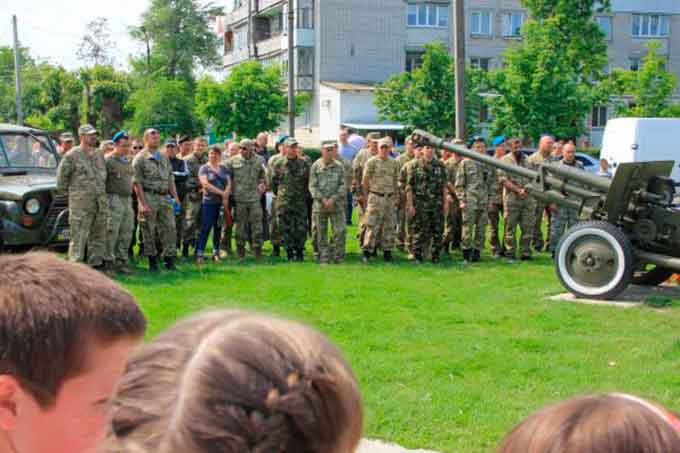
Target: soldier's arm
460 183
342 190
314 185
137 179
275 179
368 172
64 173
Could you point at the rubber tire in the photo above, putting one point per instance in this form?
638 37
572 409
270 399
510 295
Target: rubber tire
617 239
653 277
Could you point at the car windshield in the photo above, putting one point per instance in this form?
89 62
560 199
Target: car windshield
24 150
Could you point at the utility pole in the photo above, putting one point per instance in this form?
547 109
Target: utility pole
291 68
459 46
17 70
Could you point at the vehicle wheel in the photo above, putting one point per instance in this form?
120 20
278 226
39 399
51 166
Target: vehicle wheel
595 260
652 277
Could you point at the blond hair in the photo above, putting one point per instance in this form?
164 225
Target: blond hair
234 381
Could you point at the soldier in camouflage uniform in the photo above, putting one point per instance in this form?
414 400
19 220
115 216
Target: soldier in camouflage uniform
327 187
474 180
154 184
380 185
538 158
496 204
82 174
119 192
407 156
275 230
425 199
194 198
453 223
409 240
232 150
519 207
248 184
563 217
358 165
290 184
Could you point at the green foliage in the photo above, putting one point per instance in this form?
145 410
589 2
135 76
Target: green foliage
181 37
650 87
251 100
549 82
425 97
106 94
166 105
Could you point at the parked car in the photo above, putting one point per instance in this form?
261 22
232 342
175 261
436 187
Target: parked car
32 213
590 164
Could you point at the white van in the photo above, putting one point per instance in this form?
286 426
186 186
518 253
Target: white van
640 140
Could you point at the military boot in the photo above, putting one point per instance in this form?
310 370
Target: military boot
475 256
258 254
367 257
241 252
387 256
418 257
300 255
153 264
290 254
466 256
276 252
435 257
185 250
170 263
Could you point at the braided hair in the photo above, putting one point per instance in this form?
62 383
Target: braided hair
235 381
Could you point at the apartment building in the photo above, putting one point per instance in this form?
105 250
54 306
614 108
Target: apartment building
344 47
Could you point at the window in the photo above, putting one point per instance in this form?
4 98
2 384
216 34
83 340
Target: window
305 61
650 25
481 63
228 42
305 18
241 38
512 24
605 23
480 23
427 15
414 60
634 63
599 116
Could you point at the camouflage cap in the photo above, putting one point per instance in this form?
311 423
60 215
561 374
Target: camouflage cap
459 142
106 143
66 137
247 144
86 129
389 140
290 141
373 136
384 142
329 143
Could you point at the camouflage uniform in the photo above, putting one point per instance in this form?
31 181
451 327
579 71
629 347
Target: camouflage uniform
247 175
535 161
275 229
121 215
155 176
426 182
382 178
453 222
193 199
228 230
401 206
565 217
495 213
83 176
473 181
179 170
358 166
328 181
290 180
517 211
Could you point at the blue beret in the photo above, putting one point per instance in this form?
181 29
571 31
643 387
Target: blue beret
282 139
119 135
498 140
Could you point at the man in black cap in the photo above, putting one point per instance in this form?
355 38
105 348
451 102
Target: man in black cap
179 170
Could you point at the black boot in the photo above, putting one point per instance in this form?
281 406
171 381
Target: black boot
170 263
419 257
466 255
291 254
367 257
387 256
300 255
277 251
185 250
435 257
153 264
475 256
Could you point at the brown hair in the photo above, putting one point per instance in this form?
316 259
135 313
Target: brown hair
596 424
50 309
233 381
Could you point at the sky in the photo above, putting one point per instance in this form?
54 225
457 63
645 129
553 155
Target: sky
52 29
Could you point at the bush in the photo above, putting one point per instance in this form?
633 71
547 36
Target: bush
592 152
313 153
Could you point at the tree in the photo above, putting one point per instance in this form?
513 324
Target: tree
180 35
166 105
425 97
550 79
650 87
96 45
105 97
251 100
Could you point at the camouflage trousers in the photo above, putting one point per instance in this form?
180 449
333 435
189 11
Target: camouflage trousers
453 225
88 231
519 213
192 217
561 221
158 226
293 225
474 217
121 221
275 230
248 219
538 240
496 237
228 230
335 250
379 223
428 230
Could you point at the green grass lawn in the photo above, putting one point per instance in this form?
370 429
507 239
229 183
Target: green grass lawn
449 357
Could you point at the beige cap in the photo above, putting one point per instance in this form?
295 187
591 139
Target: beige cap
247 143
384 142
86 129
373 136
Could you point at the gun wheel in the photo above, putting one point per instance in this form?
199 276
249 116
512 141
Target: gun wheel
595 260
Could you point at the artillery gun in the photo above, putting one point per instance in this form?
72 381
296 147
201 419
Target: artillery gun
629 230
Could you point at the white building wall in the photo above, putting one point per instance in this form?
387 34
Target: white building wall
330 110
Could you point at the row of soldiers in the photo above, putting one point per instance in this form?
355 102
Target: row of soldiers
416 201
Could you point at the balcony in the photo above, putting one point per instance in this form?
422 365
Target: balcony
235 57
272 44
262 5
237 15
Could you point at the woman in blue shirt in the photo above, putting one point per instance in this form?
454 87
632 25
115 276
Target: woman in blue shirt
216 184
